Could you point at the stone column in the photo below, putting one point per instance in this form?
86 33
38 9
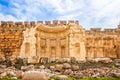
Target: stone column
32 45
22 50
102 47
58 49
48 53
66 48
71 48
82 50
38 45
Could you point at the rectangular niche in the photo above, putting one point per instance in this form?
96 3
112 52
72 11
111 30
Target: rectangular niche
42 46
27 49
53 51
53 42
63 41
53 45
42 42
63 51
43 50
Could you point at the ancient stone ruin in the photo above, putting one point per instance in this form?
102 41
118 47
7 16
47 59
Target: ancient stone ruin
57 39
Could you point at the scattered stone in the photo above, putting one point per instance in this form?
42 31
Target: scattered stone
92 60
53 60
52 68
25 61
105 60
42 67
19 62
81 61
3 66
35 75
117 60
75 67
19 74
14 78
27 68
59 67
66 66
11 73
63 60
3 74
44 60
12 60
117 64
8 62
61 77
2 59
67 71
73 60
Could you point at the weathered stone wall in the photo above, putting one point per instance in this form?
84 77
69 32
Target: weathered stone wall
10 38
57 39
103 43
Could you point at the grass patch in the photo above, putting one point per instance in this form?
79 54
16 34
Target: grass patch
88 78
8 78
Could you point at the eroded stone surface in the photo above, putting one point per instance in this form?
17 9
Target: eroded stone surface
60 39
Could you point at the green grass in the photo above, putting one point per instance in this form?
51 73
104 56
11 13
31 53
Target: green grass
8 78
89 78
73 78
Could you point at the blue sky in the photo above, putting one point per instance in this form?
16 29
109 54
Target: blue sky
90 13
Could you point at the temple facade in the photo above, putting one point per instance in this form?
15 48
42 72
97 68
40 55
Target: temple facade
58 39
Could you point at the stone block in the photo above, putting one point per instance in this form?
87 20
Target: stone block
32 23
10 22
17 36
55 22
40 22
35 75
47 22
18 24
3 24
96 29
2 44
61 77
1 36
26 24
77 22
63 22
70 21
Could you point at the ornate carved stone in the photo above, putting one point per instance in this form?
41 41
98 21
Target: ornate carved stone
57 39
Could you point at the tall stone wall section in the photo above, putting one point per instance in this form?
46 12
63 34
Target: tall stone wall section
103 43
12 37
20 39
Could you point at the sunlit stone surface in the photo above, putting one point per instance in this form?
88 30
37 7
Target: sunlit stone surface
57 39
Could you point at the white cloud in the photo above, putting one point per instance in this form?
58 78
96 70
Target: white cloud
93 13
66 6
107 12
7 18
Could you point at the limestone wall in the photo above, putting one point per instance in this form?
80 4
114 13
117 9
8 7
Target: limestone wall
76 42
57 39
11 38
103 43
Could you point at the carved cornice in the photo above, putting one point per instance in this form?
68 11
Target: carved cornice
50 29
